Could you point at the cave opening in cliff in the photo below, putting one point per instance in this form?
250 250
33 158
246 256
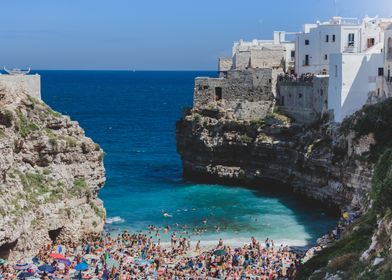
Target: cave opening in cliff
6 249
54 234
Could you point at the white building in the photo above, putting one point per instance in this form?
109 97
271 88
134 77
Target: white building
353 76
317 42
388 55
276 53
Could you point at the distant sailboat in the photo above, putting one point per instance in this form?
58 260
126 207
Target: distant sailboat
17 72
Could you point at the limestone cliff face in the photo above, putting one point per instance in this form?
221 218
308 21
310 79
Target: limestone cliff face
349 165
318 162
50 175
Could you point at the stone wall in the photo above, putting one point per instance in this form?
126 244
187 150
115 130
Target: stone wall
28 84
224 64
265 57
247 93
305 102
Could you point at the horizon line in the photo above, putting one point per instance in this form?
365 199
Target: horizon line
128 70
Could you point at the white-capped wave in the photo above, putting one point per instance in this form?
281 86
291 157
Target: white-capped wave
114 220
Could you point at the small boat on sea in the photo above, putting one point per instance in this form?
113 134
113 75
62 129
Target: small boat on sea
17 72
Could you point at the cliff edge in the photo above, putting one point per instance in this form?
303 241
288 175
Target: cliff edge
50 175
345 166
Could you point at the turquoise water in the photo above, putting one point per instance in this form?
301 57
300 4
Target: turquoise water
132 116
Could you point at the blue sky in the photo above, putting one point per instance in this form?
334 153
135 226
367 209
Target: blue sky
151 34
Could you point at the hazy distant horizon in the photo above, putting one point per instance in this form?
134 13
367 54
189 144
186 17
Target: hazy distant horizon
152 34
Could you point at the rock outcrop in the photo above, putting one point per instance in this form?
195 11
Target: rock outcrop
50 175
319 162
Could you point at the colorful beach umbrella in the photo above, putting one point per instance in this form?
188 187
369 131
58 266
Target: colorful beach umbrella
25 274
65 261
2 261
21 266
81 266
57 256
46 268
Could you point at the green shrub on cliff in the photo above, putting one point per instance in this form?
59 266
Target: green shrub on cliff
25 127
382 183
336 258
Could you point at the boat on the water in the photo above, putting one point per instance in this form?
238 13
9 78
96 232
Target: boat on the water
17 72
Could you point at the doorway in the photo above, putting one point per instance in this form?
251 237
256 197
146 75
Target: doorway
218 93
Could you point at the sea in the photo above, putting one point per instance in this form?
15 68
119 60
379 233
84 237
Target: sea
132 116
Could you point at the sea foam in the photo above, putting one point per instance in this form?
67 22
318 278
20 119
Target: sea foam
115 220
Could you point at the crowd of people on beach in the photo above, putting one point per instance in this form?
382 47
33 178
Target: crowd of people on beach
140 256
286 77
143 256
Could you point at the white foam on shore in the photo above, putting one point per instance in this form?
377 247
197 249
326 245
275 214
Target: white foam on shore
115 220
239 242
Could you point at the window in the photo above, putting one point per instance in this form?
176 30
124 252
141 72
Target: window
306 62
299 95
321 92
333 38
370 42
389 55
307 42
205 87
380 72
336 71
327 38
282 101
218 93
325 57
351 39
292 54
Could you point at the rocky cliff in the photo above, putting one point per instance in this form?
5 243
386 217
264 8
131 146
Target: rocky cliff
317 161
50 175
346 166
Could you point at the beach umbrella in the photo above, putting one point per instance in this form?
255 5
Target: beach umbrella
57 256
2 261
81 266
110 263
67 262
46 268
21 266
220 253
25 274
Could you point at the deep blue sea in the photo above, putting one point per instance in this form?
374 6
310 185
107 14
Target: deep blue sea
132 115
